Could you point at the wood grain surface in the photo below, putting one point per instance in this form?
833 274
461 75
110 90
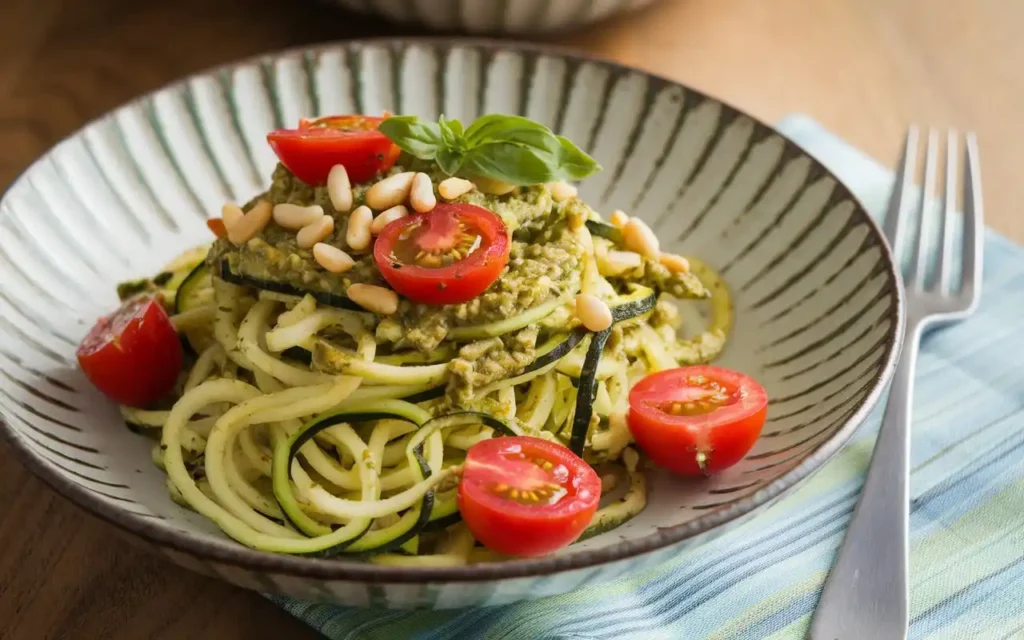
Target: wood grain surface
865 68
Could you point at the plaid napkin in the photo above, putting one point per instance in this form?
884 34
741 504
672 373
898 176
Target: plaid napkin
763 579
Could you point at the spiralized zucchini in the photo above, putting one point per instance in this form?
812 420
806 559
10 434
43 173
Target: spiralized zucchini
296 432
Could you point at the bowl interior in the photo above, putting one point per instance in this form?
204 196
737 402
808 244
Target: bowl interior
816 300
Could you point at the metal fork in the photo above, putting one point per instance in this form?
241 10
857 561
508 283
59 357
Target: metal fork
865 596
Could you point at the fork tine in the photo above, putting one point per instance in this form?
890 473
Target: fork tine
974 223
947 212
916 272
894 226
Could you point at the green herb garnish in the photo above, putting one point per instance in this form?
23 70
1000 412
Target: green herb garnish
511 149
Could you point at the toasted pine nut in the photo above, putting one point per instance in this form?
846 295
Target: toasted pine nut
593 312
314 233
387 217
357 236
618 262
373 298
390 191
451 188
232 214
251 224
339 189
586 240
421 195
608 482
332 258
674 263
562 191
493 187
637 236
294 217
618 218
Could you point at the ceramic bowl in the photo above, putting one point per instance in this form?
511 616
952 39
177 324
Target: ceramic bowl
819 311
510 17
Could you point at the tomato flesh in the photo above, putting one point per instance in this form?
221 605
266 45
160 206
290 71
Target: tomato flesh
133 355
525 496
311 150
697 420
447 256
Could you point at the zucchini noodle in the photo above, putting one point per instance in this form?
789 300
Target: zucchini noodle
303 428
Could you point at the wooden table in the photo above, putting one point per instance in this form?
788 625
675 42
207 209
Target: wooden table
862 67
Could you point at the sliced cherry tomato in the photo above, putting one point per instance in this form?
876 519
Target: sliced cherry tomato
316 146
216 226
133 355
447 256
697 420
525 496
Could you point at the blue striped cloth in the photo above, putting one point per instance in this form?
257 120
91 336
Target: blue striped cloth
763 579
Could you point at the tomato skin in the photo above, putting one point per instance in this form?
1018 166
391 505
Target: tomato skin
526 530
217 228
679 442
133 355
311 150
453 284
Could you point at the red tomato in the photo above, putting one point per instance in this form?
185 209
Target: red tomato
697 420
133 355
310 151
526 496
216 226
447 256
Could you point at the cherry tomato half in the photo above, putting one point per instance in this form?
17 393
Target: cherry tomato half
316 146
525 496
447 256
133 355
697 420
216 226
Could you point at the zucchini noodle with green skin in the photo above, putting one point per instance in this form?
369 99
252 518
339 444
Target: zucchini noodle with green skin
310 428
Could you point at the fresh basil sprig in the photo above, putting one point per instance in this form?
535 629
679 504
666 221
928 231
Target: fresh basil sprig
511 149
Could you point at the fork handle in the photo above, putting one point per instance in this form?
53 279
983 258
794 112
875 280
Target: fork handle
865 595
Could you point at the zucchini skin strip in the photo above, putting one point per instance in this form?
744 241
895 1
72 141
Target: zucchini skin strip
586 391
323 297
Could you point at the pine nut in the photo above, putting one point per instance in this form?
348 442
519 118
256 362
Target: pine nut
294 217
373 298
314 233
332 258
390 191
339 189
251 224
618 218
421 195
637 236
593 312
493 187
586 240
357 236
451 188
232 214
608 483
387 217
618 262
562 191
674 263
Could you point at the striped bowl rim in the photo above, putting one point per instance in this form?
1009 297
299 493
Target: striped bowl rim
227 551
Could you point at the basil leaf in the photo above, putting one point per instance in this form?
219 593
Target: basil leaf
420 139
449 160
496 126
575 164
451 133
513 163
